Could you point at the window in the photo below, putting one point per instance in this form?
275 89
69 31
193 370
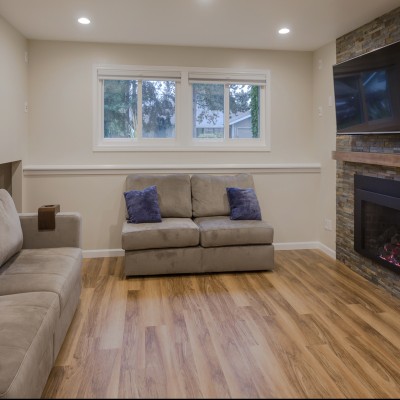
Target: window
120 108
210 109
123 98
228 108
144 108
158 109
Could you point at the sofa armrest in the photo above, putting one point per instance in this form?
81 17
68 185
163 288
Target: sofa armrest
67 232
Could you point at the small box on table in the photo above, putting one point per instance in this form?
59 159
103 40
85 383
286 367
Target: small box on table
47 217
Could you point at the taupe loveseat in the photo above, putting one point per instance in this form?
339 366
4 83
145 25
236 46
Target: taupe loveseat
40 286
196 234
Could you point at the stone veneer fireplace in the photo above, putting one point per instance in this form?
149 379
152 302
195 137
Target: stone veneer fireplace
379 32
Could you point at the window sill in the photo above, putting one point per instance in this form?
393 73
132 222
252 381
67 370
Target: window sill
241 147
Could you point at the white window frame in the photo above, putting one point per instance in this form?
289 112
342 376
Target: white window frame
138 73
184 77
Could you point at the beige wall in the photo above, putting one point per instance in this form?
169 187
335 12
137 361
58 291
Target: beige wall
60 124
60 89
13 93
288 201
324 126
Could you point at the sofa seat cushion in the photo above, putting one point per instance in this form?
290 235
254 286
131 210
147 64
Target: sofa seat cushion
171 232
27 325
222 231
55 270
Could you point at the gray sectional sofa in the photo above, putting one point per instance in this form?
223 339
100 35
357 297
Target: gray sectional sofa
40 286
196 234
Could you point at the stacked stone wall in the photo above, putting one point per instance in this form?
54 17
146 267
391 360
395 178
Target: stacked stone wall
380 32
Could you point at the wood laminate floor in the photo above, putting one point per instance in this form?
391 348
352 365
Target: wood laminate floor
311 328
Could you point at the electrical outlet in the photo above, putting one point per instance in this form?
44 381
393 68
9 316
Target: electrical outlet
328 224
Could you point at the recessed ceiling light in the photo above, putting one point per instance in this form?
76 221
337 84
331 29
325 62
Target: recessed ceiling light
284 31
84 20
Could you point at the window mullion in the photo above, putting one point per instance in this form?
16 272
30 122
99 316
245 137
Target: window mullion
226 112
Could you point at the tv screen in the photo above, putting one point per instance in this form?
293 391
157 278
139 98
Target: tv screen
367 92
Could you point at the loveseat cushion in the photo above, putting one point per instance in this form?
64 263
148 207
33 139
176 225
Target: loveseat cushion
171 232
27 325
174 192
10 228
55 270
209 197
222 231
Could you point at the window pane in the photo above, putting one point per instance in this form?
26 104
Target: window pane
120 108
208 111
244 111
158 109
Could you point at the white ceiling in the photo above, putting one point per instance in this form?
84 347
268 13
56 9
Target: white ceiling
251 24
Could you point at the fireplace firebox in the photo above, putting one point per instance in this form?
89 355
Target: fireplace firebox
377 220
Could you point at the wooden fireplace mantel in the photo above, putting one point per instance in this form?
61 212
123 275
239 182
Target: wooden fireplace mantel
390 160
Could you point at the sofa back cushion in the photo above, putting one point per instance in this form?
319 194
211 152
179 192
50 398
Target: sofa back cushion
174 193
209 196
10 228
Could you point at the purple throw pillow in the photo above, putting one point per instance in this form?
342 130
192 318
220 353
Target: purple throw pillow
243 204
142 205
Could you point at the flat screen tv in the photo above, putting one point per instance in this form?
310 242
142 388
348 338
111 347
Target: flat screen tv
367 92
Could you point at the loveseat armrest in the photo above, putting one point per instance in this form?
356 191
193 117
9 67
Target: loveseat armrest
68 231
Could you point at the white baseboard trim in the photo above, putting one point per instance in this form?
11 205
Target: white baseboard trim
327 250
296 245
278 246
306 245
103 253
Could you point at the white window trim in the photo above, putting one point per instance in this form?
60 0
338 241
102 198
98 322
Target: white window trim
183 140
